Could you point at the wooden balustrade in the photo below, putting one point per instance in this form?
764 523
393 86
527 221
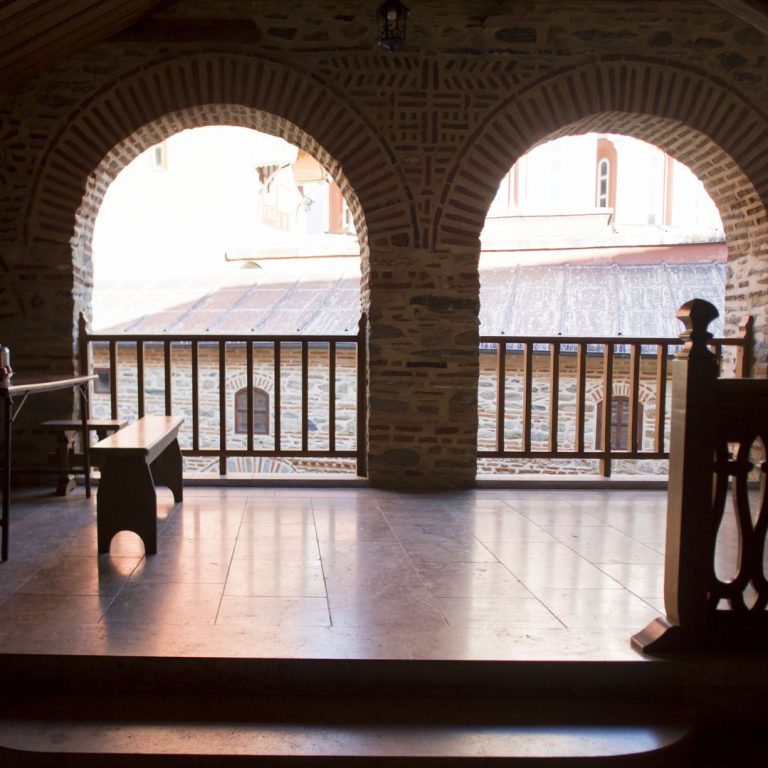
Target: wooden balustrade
715 582
296 444
546 427
597 364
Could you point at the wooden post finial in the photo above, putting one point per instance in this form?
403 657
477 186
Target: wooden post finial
696 315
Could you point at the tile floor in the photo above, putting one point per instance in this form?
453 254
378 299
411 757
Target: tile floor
341 573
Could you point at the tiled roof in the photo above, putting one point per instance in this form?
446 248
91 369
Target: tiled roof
308 297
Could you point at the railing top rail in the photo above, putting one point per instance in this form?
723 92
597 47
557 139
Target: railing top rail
734 341
220 338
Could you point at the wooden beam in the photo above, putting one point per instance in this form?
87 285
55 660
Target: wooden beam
754 12
36 33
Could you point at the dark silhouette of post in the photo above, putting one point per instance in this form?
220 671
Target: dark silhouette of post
710 417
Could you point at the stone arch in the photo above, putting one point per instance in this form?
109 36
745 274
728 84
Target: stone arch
144 106
694 117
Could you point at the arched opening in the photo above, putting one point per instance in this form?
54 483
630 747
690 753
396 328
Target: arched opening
597 248
694 119
214 87
240 236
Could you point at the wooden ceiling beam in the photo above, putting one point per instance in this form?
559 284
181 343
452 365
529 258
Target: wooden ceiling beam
42 31
754 12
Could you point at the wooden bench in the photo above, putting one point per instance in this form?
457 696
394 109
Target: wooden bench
64 457
133 461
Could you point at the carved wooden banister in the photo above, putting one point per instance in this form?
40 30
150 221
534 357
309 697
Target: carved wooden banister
715 424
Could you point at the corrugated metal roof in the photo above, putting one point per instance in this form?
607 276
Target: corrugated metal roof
551 299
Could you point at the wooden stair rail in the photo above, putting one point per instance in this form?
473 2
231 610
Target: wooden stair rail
714 425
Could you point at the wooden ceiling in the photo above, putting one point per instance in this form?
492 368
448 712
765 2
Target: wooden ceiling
36 33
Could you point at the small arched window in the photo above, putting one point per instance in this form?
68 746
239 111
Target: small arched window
603 183
619 423
260 412
605 174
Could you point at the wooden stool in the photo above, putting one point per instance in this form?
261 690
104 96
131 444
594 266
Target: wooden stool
65 430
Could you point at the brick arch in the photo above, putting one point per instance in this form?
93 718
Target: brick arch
144 106
693 117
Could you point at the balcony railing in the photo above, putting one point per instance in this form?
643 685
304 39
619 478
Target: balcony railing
192 376
531 419
556 401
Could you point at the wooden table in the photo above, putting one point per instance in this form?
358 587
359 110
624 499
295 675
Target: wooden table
21 388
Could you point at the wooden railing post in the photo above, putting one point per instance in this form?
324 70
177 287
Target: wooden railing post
362 396
689 497
744 352
84 359
83 356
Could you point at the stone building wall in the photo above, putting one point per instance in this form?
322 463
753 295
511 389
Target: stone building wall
418 142
236 379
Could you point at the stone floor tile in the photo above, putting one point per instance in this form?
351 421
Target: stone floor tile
384 606
161 603
435 543
603 544
606 608
645 580
273 611
546 515
367 563
259 543
507 526
81 576
52 611
84 544
550 565
448 579
187 561
514 612
275 578
352 525
207 523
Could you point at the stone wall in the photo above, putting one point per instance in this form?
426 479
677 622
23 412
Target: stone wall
418 142
236 379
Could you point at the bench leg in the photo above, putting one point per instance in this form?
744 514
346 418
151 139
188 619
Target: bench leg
166 470
64 482
126 501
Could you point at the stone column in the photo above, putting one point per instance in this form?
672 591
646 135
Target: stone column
40 328
423 368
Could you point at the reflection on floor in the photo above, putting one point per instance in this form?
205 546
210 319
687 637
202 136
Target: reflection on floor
341 573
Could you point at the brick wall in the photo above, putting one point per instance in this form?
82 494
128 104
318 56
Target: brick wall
418 142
